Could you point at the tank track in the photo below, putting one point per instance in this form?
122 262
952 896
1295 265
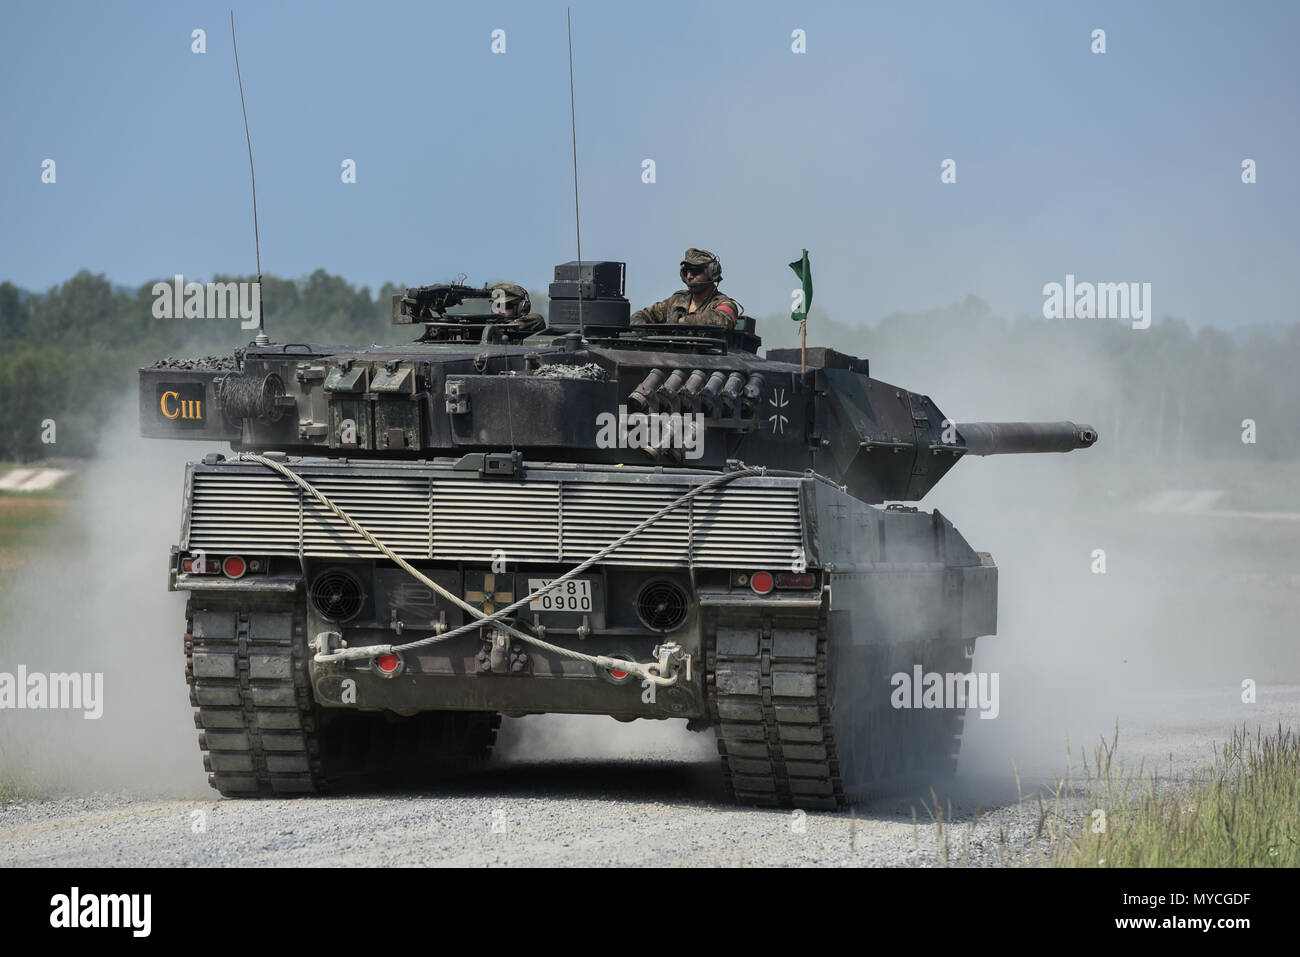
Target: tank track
768 694
263 735
255 715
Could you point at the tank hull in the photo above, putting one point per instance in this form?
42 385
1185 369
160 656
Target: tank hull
797 681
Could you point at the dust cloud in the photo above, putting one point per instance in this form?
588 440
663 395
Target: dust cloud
97 602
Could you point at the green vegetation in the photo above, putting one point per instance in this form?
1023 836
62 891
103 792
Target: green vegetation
1241 811
15 784
1244 811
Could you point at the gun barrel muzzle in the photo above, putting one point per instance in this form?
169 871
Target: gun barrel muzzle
1018 438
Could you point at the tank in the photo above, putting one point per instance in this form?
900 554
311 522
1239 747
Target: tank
390 547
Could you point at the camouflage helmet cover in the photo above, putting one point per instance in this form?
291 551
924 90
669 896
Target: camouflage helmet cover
505 294
510 291
702 257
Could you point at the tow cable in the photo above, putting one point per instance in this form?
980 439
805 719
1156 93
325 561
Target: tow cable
662 672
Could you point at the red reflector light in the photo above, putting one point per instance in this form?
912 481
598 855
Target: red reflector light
234 567
615 673
761 582
792 580
387 663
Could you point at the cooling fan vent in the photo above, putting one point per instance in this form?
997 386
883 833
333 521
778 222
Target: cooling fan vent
337 595
661 605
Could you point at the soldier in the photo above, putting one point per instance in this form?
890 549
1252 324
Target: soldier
511 302
700 303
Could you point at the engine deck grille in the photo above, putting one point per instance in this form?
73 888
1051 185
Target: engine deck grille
448 516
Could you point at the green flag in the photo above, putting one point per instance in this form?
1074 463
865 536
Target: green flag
803 270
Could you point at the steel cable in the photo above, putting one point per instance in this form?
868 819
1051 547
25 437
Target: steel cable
648 671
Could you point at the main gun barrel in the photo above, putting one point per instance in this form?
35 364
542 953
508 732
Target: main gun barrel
1017 438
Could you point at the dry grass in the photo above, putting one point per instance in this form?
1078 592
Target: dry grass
1244 811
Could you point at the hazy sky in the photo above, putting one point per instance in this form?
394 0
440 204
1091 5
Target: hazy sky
1123 166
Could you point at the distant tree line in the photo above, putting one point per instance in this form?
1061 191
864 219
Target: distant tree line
1166 393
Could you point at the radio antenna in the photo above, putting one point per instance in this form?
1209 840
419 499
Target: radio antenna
260 339
577 218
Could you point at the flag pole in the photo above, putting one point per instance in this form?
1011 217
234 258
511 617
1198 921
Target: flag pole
803 270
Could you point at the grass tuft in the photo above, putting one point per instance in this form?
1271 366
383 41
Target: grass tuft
1243 811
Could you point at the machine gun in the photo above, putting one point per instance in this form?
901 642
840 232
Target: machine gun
430 303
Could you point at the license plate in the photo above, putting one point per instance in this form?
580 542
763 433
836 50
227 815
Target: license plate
573 595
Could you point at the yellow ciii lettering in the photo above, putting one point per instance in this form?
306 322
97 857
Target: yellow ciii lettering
175 396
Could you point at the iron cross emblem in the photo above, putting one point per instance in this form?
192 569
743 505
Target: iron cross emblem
778 400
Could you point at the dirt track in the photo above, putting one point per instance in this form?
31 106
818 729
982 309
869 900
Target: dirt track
638 810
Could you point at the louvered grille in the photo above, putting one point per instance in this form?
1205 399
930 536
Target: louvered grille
447 517
472 518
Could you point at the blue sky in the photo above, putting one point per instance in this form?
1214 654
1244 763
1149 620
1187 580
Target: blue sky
1116 167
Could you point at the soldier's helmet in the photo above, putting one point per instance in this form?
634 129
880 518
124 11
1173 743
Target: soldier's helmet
702 257
507 294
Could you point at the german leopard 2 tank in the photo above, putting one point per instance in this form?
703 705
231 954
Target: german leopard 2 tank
636 521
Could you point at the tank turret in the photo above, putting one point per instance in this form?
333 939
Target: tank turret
464 387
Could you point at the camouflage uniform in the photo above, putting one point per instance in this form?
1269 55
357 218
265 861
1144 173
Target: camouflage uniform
717 310
523 326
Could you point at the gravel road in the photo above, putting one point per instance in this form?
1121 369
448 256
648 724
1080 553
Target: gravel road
646 807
